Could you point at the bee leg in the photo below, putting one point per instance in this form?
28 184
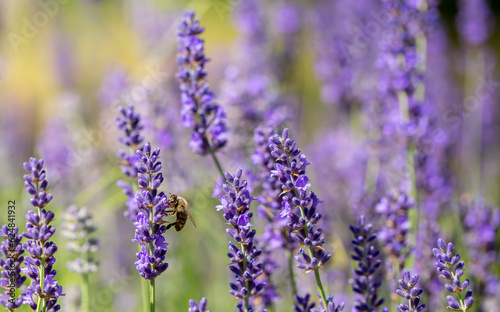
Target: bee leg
171 225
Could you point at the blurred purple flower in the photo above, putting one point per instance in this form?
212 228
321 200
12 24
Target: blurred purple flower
475 21
393 236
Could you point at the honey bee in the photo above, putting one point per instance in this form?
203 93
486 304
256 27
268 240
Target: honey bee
179 208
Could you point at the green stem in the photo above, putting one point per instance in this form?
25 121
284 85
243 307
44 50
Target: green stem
40 307
151 249
320 287
293 286
85 293
216 160
152 295
144 286
311 253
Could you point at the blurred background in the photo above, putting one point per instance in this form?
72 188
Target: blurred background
66 66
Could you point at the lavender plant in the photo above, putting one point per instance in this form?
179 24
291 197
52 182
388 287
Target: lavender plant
481 224
303 304
199 110
299 206
409 291
451 268
331 306
76 228
195 307
366 283
151 206
276 233
244 254
130 123
43 291
10 263
393 235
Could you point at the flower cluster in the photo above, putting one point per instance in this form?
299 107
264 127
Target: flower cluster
152 207
331 306
194 307
11 273
76 228
410 292
130 123
450 267
303 304
244 254
481 225
299 204
474 21
38 266
269 199
367 255
394 208
199 110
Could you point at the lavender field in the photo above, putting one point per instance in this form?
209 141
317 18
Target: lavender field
250 155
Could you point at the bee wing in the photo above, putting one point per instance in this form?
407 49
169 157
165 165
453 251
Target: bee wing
191 218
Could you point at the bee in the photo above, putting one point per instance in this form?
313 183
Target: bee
179 208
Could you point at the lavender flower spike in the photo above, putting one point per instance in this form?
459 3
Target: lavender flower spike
202 307
130 123
450 267
38 266
303 304
199 110
151 206
77 227
331 306
11 273
365 281
243 253
299 205
410 292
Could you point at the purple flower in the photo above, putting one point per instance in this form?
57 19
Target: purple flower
393 236
76 228
451 268
302 304
41 250
299 204
243 253
11 278
481 226
475 21
332 307
194 307
409 291
130 123
152 207
113 87
199 110
366 282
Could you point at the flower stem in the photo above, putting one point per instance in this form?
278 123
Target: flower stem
152 295
40 307
216 160
85 293
320 287
293 286
144 286
247 297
